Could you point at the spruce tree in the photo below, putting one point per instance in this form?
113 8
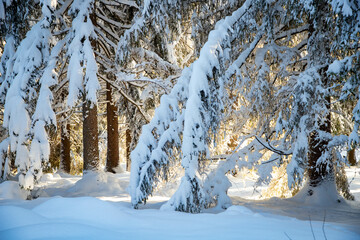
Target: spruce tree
27 116
274 59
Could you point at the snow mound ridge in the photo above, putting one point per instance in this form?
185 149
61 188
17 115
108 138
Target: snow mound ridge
12 190
97 184
82 208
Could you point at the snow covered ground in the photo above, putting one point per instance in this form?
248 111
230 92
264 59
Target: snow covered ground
98 207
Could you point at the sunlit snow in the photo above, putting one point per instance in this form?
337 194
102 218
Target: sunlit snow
98 207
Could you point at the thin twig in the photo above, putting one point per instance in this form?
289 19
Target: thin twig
271 148
270 161
148 80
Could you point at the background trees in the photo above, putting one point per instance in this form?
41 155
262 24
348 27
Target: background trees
82 37
268 78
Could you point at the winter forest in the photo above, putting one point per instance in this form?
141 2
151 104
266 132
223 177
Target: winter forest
179 119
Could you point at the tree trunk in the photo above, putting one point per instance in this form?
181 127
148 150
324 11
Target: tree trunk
128 145
319 49
317 147
65 161
90 127
112 158
351 157
90 137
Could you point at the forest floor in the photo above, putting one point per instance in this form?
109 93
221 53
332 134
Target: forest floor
98 207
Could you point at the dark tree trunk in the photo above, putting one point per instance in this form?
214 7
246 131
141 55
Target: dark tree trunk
112 158
90 127
90 137
319 50
324 170
351 157
65 161
318 146
128 145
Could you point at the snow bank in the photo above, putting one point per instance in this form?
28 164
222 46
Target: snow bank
13 217
97 184
324 195
11 190
353 175
84 209
90 218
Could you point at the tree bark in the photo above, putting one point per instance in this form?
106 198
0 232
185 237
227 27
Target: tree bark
112 157
319 50
324 170
317 147
65 161
128 145
90 137
351 157
90 126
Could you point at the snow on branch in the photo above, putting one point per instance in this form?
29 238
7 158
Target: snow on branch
203 98
130 99
119 2
161 64
271 148
237 64
161 134
82 70
4 159
6 66
115 23
44 116
31 55
153 16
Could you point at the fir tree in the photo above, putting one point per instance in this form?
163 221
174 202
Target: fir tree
274 59
25 117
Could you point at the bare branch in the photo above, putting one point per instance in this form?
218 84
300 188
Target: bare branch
271 148
119 2
292 32
108 31
102 35
148 80
108 20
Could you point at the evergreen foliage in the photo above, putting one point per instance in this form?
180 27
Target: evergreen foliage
282 73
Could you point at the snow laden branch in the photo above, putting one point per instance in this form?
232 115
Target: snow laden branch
6 66
202 98
261 62
81 54
140 57
5 159
260 57
205 105
44 115
30 58
159 138
127 97
155 18
132 34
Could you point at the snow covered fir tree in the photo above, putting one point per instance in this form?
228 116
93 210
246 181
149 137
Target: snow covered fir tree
272 69
184 101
